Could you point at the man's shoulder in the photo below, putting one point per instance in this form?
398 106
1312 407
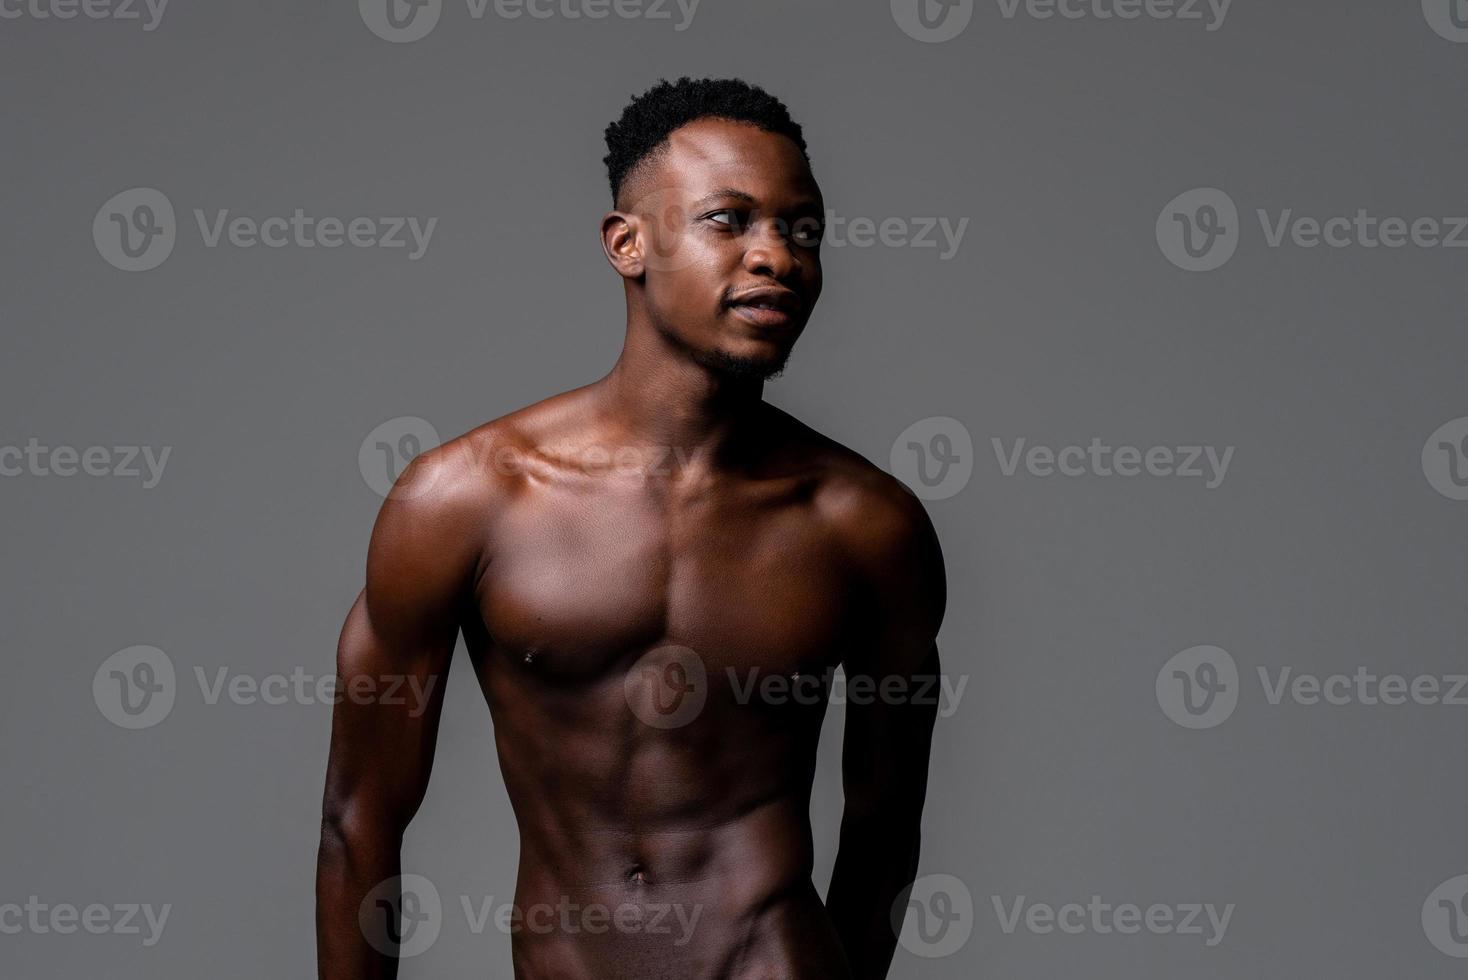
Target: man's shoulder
882 530
487 464
874 515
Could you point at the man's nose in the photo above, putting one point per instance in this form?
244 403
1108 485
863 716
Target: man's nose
770 253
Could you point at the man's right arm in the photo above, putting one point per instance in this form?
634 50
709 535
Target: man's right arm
392 662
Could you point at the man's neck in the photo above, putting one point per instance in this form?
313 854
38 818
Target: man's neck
658 396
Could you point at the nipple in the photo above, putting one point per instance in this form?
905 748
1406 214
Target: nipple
637 875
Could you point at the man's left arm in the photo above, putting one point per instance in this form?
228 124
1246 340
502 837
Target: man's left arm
892 678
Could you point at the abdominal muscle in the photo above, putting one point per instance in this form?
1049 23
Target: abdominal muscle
732 901
648 854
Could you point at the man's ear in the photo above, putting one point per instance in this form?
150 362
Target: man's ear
621 240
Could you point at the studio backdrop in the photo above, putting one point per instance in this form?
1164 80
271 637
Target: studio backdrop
1158 305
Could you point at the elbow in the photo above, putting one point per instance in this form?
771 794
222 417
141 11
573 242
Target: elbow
349 826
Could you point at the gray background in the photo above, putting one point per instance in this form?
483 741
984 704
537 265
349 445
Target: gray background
1059 319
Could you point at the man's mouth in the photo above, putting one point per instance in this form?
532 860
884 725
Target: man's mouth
767 306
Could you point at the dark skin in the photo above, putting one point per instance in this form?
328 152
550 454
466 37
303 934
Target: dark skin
723 538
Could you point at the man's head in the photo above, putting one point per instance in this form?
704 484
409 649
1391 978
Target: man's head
717 223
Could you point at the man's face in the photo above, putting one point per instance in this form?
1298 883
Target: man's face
730 222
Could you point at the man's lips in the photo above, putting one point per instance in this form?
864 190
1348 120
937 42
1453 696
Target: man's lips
768 306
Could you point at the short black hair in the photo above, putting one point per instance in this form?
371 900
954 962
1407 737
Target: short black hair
650 117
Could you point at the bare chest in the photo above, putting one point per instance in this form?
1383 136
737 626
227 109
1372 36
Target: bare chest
580 587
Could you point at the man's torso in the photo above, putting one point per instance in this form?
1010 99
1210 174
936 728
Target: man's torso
653 637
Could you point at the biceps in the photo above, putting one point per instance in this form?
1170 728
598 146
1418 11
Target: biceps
389 697
889 726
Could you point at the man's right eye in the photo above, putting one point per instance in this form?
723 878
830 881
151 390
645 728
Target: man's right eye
727 217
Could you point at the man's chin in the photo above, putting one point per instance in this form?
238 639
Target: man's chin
743 367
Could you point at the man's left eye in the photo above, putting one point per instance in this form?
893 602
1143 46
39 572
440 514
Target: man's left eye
809 235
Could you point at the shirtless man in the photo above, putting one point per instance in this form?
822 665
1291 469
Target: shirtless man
648 573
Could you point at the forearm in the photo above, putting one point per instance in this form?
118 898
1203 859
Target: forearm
356 857
876 861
